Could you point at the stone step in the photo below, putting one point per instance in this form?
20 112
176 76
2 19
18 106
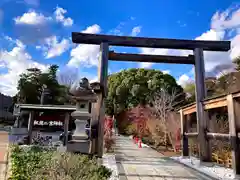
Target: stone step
77 138
79 141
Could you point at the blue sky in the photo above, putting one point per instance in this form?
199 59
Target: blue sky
38 33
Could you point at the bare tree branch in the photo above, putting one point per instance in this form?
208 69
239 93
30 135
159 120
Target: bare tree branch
162 104
67 77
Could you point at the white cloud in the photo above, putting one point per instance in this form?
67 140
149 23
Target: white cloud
68 74
9 38
38 47
235 51
92 76
59 15
93 79
228 19
212 59
151 51
145 64
136 30
117 30
84 54
183 80
53 47
166 71
33 27
212 35
221 25
15 61
94 29
32 18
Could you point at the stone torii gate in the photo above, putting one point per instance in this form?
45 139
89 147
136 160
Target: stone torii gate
196 59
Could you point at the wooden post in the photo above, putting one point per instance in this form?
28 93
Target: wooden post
30 126
103 66
204 148
66 123
184 139
233 132
94 125
102 75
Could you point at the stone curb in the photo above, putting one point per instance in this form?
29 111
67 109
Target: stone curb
112 166
191 167
4 170
9 164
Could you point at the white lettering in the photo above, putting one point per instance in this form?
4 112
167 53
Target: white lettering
48 123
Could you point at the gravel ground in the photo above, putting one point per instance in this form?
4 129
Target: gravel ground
211 170
109 161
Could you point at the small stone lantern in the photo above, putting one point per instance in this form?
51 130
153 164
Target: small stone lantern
84 96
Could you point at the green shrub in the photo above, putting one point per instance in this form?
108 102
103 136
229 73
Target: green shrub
148 140
36 163
25 161
131 129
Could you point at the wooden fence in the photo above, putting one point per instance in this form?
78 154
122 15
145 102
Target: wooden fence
232 102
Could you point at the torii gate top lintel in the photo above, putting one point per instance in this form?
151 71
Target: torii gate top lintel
128 41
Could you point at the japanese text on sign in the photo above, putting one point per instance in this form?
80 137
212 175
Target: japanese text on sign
48 123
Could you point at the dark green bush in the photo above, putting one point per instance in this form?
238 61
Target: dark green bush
25 161
36 163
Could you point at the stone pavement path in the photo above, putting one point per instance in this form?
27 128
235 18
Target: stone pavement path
3 152
146 164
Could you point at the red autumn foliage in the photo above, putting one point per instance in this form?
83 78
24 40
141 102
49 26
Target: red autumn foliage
140 120
108 135
134 121
137 121
108 125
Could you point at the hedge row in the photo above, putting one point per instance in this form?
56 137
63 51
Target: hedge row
37 163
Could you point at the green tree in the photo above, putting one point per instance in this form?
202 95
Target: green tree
237 62
189 89
211 85
30 86
14 100
129 88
